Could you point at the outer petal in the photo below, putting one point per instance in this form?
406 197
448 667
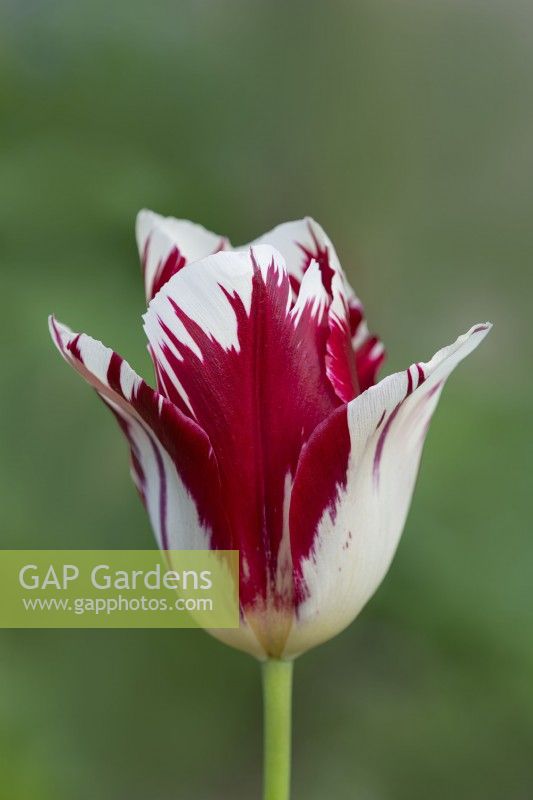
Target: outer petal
167 244
249 369
172 460
352 493
173 464
353 356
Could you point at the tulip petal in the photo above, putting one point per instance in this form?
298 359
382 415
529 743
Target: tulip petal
249 368
353 356
173 465
301 242
167 244
369 351
352 491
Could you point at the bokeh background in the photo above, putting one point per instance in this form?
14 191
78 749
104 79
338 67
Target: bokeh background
406 128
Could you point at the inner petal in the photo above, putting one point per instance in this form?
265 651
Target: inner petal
353 355
251 371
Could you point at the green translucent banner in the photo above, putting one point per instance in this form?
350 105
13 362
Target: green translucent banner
119 589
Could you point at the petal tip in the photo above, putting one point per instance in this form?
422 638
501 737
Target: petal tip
58 331
477 332
145 221
482 326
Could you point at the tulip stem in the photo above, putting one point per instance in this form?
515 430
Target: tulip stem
277 701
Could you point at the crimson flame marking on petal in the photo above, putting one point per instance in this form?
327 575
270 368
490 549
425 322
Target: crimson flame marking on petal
381 442
380 420
295 284
357 322
114 381
306 238
312 298
164 429
258 399
369 358
166 269
340 359
162 495
306 510
174 262
166 245
320 254
138 474
383 435
73 346
339 580
353 357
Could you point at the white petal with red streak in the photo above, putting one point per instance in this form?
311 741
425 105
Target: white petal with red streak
354 357
147 420
299 242
158 237
355 537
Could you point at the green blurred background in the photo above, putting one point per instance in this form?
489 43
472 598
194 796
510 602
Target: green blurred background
406 129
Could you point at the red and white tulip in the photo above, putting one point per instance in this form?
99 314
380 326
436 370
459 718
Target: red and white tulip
268 432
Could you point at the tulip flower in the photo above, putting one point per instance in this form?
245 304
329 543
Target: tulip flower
269 433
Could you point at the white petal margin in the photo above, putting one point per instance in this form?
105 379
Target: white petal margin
356 540
158 236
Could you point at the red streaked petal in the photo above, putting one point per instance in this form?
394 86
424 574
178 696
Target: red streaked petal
173 465
167 244
369 351
341 363
352 491
312 299
300 242
353 356
250 370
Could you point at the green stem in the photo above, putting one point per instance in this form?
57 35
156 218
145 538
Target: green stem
277 692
